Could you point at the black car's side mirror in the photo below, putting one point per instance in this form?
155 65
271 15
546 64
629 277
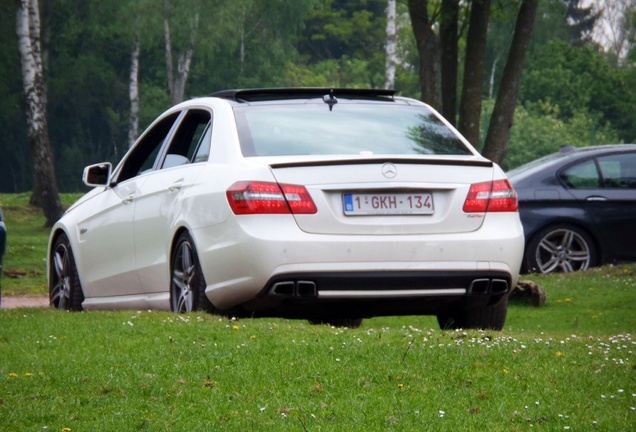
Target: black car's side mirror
98 174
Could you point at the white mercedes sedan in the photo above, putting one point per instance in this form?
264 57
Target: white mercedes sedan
330 205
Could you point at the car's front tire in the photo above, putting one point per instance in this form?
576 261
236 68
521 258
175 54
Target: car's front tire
491 317
187 285
560 248
65 290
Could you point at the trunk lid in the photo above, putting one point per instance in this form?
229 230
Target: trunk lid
387 196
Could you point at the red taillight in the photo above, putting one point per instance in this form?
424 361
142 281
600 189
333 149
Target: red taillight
269 198
496 196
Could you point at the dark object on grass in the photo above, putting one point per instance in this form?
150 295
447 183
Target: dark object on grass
3 242
529 292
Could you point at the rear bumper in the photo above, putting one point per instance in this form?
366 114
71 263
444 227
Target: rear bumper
244 270
368 294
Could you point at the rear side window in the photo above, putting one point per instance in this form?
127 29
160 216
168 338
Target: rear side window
312 129
617 171
582 176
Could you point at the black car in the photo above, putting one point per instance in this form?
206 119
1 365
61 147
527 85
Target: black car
578 208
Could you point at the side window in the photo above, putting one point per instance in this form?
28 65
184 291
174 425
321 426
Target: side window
142 157
187 138
619 171
203 151
582 176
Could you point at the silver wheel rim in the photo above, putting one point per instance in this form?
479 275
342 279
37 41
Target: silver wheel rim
183 276
562 250
60 293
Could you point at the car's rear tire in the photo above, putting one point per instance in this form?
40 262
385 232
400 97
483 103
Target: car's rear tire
65 290
491 317
338 322
187 284
560 248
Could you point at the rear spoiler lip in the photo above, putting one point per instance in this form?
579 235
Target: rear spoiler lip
405 161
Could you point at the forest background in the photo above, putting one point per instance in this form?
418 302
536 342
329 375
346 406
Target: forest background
578 85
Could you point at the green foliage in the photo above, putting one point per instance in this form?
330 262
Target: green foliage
261 43
539 129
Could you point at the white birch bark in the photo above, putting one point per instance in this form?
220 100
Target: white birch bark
31 68
391 45
45 192
166 30
176 85
133 87
183 65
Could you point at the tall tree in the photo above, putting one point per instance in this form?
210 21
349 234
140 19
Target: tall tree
428 46
449 36
176 83
470 103
133 90
45 193
503 113
391 44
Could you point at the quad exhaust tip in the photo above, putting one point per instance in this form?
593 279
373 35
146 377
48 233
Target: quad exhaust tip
295 289
488 286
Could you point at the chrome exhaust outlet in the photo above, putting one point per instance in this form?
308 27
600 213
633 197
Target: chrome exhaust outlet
294 289
498 286
488 286
306 289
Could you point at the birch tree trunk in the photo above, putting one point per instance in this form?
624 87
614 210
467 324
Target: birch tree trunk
504 111
133 87
470 103
391 45
176 85
166 31
45 193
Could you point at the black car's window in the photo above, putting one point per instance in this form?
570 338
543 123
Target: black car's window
582 176
313 129
619 170
187 139
612 171
142 157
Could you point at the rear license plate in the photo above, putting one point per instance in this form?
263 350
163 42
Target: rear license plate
388 204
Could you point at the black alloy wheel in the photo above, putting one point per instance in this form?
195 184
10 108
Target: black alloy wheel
65 290
187 286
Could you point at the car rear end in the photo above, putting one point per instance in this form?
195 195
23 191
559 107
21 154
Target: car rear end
371 205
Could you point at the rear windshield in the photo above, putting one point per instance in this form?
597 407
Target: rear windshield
312 129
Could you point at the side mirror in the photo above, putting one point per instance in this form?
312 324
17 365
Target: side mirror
98 174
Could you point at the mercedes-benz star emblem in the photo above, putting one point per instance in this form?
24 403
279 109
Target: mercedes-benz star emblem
389 170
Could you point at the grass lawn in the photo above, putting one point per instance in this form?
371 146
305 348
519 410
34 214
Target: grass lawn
569 365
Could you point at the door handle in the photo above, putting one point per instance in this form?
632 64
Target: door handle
175 186
128 199
596 198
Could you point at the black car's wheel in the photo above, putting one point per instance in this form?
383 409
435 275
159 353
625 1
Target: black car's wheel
560 248
338 322
65 290
491 317
187 286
